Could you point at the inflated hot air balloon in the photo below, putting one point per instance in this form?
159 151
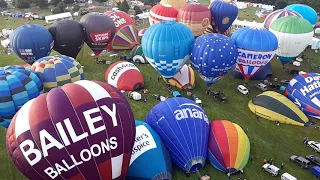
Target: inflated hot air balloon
175 3
184 79
209 30
213 55
31 42
167 46
262 74
222 15
150 159
195 16
162 12
293 34
184 127
55 71
229 146
83 130
68 37
304 90
256 47
99 31
124 76
278 14
18 86
307 12
126 35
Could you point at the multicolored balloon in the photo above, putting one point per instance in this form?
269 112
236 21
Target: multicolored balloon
167 46
293 34
17 86
229 146
278 14
147 148
307 12
184 127
175 3
99 31
304 90
126 33
56 71
256 47
83 130
213 55
184 79
195 16
162 12
223 14
31 42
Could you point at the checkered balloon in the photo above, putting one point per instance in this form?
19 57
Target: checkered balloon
55 71
17 86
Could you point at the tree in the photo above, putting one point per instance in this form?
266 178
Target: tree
43 4
22 4
62 6
55 2
3 4
137 10
68 1
76 8
123 6
150 2
280 4
56 10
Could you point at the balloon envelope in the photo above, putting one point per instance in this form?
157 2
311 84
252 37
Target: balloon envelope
183 126
303 90
162 12
278 14
256 47
213 55
150 159
83 137
31 42
167 46
307 12
184 79
68 37
99 31
175 3
18 86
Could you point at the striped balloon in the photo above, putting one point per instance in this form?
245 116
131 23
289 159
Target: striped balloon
17 86
278 14
175 3
55 71
83 130
229 146
161 12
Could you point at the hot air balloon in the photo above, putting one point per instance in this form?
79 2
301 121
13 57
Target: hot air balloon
256 47
276 107
18 86
293 34
126 33
209 30
262 74
195 16
167 47
31 42
223 14
68 37
278 14
150 159
229 146
124 76
83 130
184 79
304 90
99 31
307 12
175 3
213 55
161 12
184 127
55 71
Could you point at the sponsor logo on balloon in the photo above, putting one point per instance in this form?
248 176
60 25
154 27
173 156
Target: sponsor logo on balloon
118 21
26 52
33 155
143 142
119 67
253 58
189 110
313 84
100 36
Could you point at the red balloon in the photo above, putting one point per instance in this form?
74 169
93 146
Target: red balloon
83 130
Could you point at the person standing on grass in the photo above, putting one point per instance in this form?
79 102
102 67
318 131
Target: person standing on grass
282 166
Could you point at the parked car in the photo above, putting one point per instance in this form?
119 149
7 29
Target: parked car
314 145
272 169
274 85
316 171
287 176
222 97
303 162
197 100
135 96
314 159
215 94
261 86
243 89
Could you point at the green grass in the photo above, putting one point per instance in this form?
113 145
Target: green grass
267 140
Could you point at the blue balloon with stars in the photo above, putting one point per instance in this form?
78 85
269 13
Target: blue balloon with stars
213 55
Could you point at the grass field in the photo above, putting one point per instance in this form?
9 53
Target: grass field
267 140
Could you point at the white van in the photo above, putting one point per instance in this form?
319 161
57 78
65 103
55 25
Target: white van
287 176
273 170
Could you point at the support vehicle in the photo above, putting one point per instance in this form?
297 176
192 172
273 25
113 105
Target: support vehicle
287 176
301 161
314 145
314 159
242 89
272 169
